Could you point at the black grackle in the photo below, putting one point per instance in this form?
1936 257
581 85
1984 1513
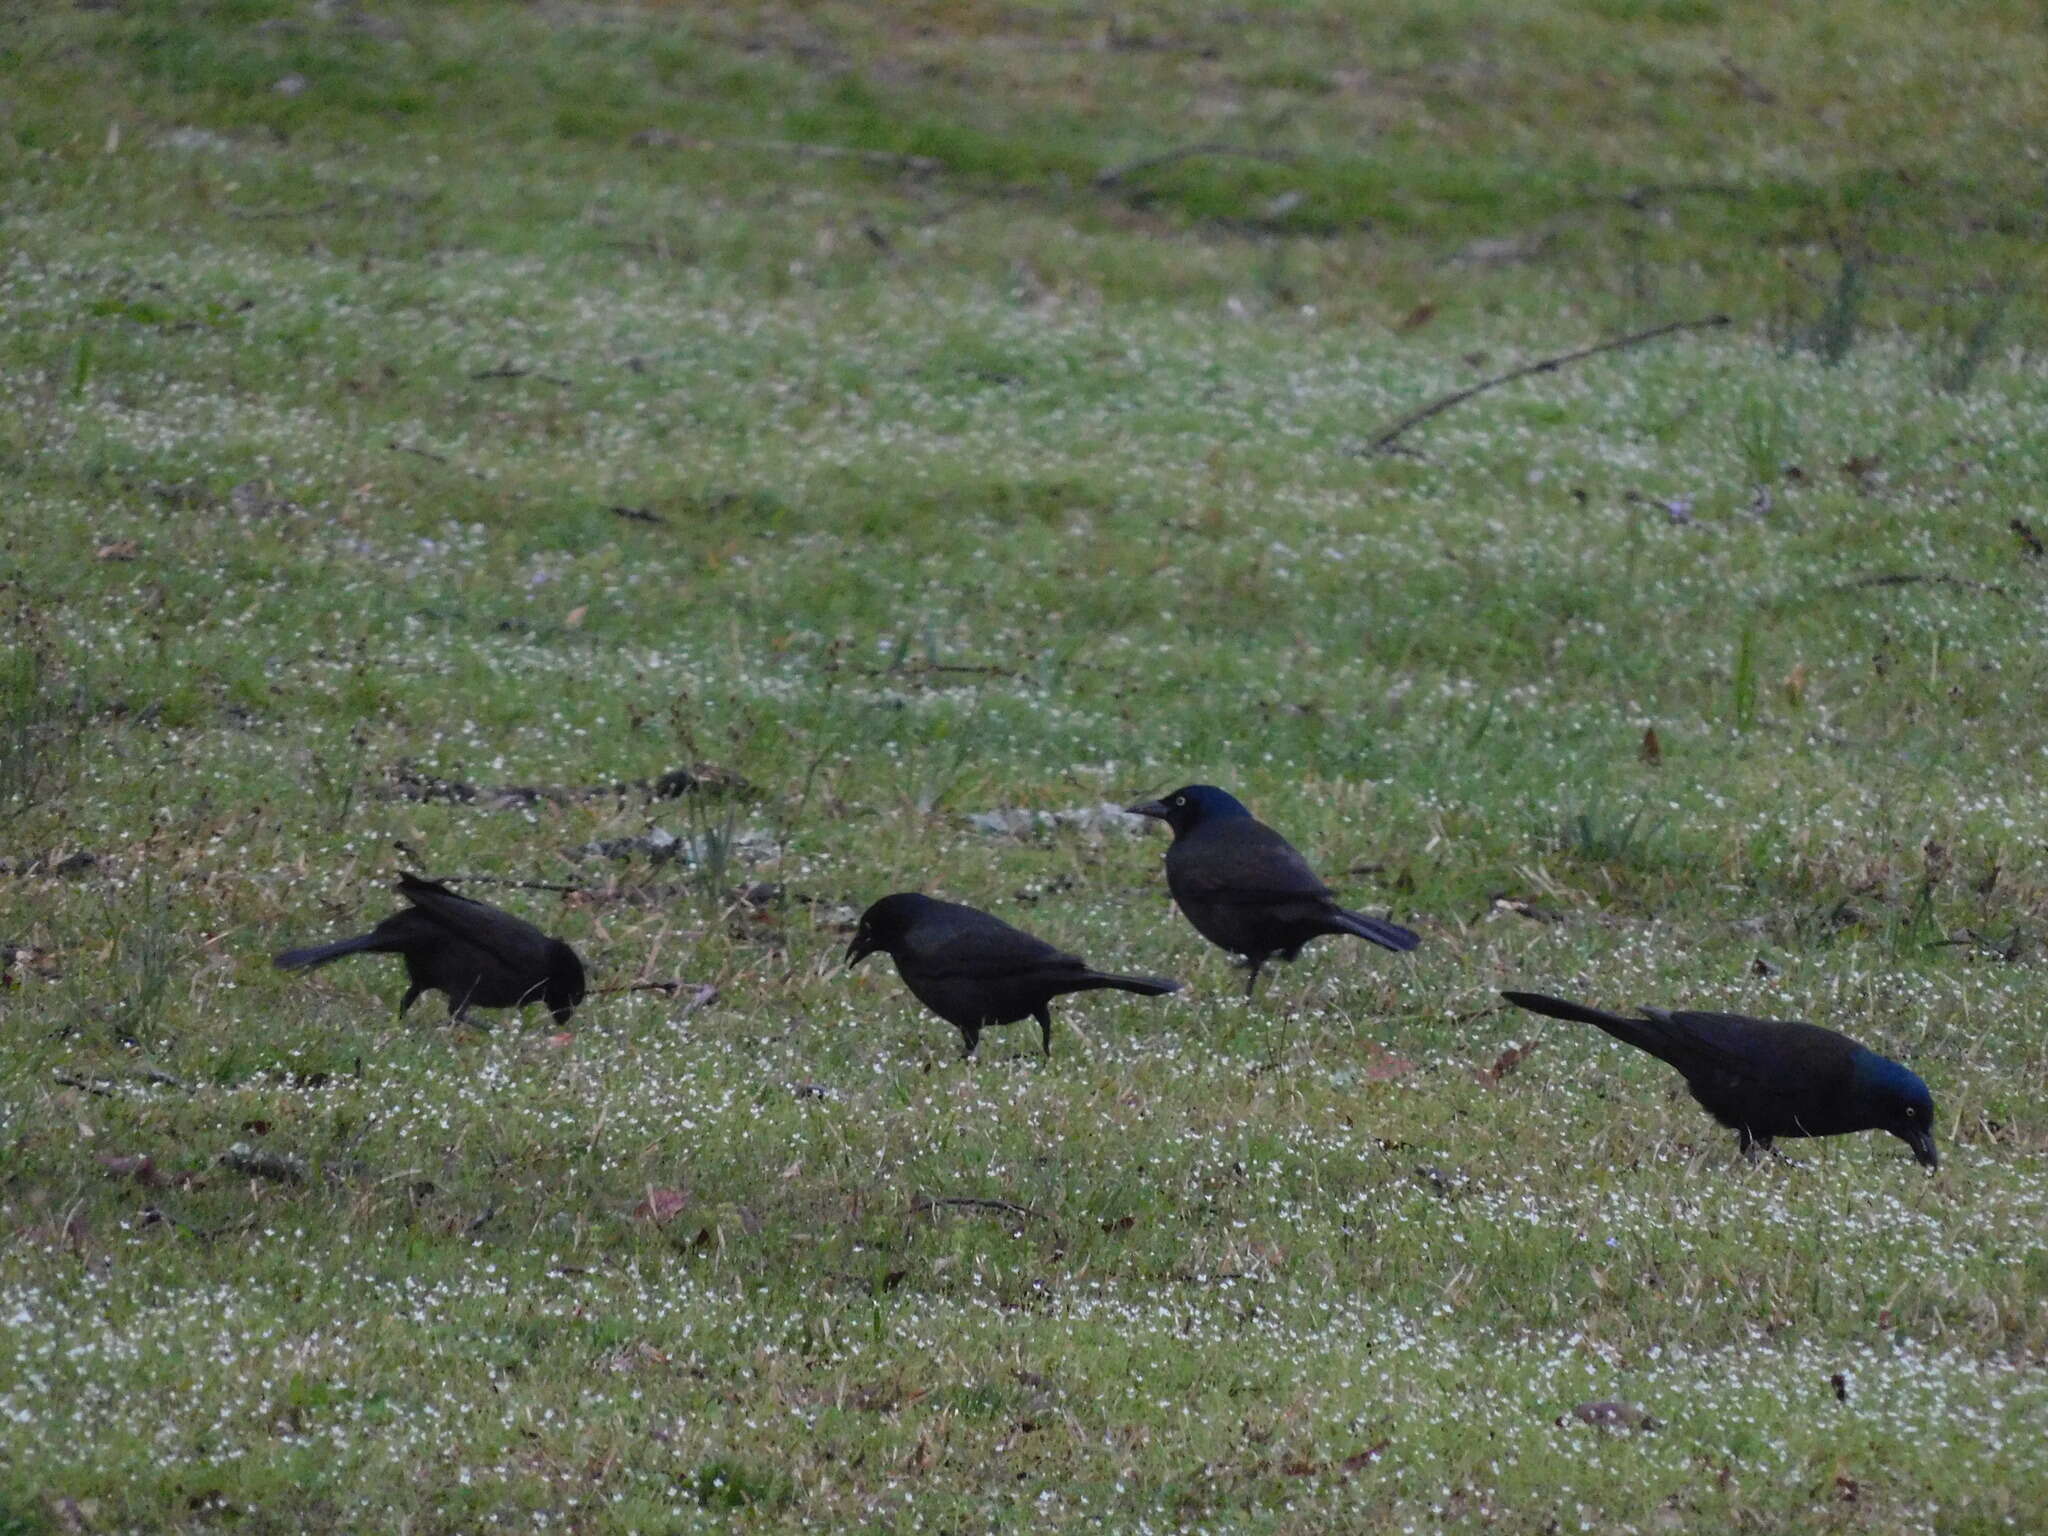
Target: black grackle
476 954
1244 886
974 970
1766 1078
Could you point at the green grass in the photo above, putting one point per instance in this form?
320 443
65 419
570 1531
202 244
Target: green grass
1024 473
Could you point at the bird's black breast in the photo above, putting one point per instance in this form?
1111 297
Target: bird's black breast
1772 1077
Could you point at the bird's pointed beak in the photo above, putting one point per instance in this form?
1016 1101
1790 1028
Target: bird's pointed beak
1922 1143
861 947
1156 809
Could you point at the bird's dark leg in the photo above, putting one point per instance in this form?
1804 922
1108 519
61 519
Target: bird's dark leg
969 1038
1044 1016
412 995
1754 1148
1252 980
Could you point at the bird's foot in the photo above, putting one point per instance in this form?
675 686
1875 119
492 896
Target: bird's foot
1754 1153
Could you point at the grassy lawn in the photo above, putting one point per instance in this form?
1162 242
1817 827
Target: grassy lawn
422 427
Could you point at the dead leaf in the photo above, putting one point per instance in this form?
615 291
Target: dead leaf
74 1514
1841 1385
279 1167
574 618
1386 1067
1505 1063
1299 1468
920 1458
634 1356
661 1205
1846 1489
560 1040
886 1398
141 1168
1120 1224
1417 317
1652 751
1610 1413
1364 1458
1520 906
120 549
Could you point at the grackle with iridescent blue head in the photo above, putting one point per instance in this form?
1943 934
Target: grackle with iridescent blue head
1244 886
1767 1078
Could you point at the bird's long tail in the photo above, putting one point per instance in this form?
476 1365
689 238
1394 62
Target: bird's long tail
321 954
1387 935
1144 986
1640 1033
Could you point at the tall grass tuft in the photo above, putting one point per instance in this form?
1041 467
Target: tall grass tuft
41 724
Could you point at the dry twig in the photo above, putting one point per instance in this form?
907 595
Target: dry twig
1385 439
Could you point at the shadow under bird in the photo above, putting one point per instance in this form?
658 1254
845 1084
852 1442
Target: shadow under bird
1766 1078
1244 886
974 970
475 953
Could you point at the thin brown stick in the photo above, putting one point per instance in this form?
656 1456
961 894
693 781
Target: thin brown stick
925 1205
660 138
419 453
666 988
508 371
1117 173
1915 578
1386 439
285 213
107 1087
519 885
151 1214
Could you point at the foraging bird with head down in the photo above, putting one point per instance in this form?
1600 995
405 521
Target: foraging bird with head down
1244 886
1767 1078
474 953
974 970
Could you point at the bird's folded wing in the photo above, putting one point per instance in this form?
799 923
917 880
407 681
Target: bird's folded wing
1253 871
512 940
1728 1042
983 954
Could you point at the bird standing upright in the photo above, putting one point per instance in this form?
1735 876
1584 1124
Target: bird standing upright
974 970
473 952
1766 1078
1244 886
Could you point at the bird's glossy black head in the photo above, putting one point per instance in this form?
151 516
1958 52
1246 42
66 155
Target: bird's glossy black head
1191 805
565 984
1899 1102
884 924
